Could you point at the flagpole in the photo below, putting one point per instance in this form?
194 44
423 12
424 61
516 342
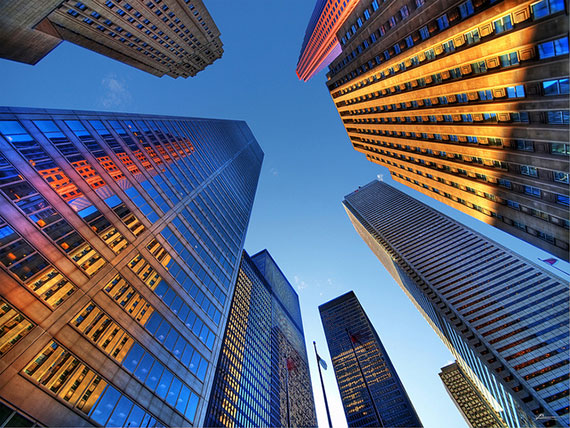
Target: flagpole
364 378
322 384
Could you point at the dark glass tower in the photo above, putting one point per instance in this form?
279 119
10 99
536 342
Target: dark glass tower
262 377
371 391
503 318
120 241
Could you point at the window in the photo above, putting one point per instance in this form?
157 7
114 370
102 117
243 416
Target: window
479 67
448 46
562 199
545 236
504 183
466 9
424 33
375 4
560 149
472 36
523 145
555 87
532 191
442 22
560 177
409 41
553 48
531 171
404 12
515 91
557 117
503 24
509 59
546 7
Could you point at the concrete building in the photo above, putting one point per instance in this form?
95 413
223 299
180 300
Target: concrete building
465 101
476 410
370 388
173 37
120 242
262 374
504 319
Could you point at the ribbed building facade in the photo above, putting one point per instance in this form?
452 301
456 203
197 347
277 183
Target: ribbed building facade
173 37
320 44
370 388
465 101
120 241
476 410
503 318
262 374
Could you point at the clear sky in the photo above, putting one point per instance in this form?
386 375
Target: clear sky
309 166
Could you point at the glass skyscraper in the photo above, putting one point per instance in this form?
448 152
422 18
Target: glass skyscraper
262 375
371 391
503 318
120 241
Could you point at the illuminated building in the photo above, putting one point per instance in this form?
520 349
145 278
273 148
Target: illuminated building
369 385
120 241
320 44
159 36
477 411
262 375
465 101
504 319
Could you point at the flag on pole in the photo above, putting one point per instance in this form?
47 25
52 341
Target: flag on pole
550 261
322 362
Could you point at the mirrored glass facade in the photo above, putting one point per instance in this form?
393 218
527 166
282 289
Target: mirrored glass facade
370 388
503 318
262 376
120 242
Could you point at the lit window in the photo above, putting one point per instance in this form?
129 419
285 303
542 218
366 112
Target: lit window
560 149
546 7
515 91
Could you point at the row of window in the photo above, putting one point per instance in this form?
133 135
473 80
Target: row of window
65 376
440 24
32 269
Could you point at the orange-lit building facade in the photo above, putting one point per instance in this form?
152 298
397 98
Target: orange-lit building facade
173 37
321 45
120 240
467 102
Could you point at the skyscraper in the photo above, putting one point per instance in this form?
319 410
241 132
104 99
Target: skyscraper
320 44
262 375
371 391
476 410
160 37
465 101
503 318
121 237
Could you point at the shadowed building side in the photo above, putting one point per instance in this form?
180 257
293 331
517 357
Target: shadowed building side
371 391
166 37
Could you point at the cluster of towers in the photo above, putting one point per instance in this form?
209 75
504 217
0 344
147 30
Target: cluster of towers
127 298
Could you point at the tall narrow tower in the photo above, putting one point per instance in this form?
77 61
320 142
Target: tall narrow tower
371 391
120 241
503 318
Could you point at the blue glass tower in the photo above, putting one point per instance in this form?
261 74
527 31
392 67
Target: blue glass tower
120 241
262 376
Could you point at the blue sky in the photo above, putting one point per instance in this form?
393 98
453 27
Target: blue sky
309 166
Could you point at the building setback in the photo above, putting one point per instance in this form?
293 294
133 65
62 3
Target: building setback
262 375
465 101
476 410
120 241
503 318
160 37
371 391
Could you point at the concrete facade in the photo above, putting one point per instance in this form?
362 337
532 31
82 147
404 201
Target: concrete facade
160 37
466 102
121 237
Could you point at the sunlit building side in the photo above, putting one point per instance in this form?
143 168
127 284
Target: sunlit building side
262 375
465 101
120 240
370 388
504 319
